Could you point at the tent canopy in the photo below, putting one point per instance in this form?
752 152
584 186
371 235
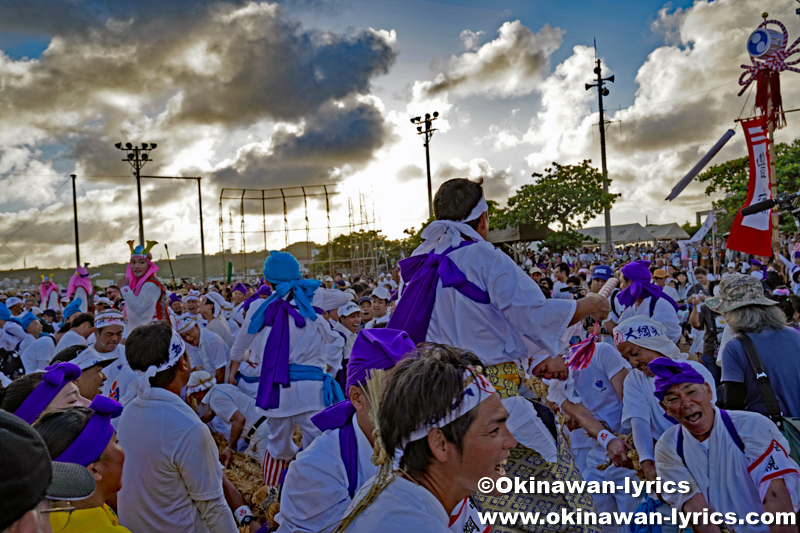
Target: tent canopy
664 232
624 233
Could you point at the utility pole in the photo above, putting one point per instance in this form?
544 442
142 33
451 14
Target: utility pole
75 218
426 129
137 157
601 92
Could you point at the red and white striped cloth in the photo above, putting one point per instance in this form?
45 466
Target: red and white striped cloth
272 470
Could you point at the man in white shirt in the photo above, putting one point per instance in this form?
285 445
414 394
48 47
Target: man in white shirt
283 356
730 461
207 351
82 327
380 308
444 453
172 481
561 273
347 326
486 304
325 477
109 326
211 308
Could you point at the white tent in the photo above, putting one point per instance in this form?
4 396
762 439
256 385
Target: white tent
619 234
665 232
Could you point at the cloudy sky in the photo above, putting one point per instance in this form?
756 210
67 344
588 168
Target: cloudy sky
262 95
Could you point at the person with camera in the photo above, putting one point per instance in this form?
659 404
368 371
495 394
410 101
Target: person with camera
711 324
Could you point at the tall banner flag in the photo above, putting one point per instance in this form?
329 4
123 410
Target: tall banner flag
711 219
753 234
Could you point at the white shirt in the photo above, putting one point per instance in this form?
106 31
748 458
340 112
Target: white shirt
225 399
38 354
119 374
592 387
220 326
210 354
663 312
349 339
557 294
401 507
13 335
307 346
171 462
379 321
70 338
314 495
141 309
80 292
518 308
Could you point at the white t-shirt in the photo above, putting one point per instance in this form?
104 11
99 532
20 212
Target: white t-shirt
119 373
210 354
592 387
314 496
557 294
401 507
171 461
225 399
70 338
38 354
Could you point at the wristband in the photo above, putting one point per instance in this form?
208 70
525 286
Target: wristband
605 437
241 513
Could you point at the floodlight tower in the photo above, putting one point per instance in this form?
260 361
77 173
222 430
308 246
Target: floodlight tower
137 157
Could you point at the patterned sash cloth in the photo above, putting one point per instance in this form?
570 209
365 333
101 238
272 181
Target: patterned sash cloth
526 463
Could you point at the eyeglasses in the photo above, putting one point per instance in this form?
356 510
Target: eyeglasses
52 510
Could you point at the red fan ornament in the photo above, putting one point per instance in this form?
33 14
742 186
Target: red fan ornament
580 354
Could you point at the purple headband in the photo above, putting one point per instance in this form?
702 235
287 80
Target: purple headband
669 372
94 438
379 348
173 297
240 287
53 380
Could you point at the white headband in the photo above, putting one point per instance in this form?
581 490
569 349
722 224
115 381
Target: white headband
141 385
204 381
193 295
477 390
477 211
220 304
648 333
185 323
109 318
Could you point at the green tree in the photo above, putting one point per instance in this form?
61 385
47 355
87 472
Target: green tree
731 178
690 228
570 195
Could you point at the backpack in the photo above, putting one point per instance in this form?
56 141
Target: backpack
11 364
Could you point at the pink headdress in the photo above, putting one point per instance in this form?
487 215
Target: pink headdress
80 279
142 252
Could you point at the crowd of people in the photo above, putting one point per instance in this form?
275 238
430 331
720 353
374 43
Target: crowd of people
379 403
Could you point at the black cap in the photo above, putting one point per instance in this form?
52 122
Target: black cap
29 475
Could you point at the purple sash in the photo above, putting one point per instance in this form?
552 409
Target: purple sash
340 415
275 371
422 274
